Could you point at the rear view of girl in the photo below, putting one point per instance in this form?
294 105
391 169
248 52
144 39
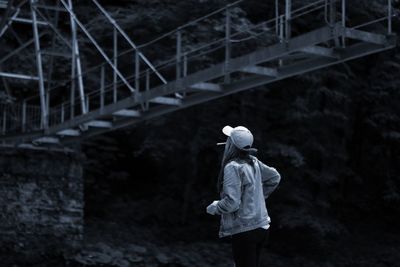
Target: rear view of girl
244 184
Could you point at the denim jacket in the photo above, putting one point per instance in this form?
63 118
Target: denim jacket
245 189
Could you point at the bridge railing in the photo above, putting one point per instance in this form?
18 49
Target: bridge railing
19 117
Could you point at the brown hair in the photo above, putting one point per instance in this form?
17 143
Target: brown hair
231 153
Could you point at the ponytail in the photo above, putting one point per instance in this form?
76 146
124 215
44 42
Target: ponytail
232 153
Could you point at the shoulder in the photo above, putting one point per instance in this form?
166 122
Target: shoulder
256 160
232 165
264 167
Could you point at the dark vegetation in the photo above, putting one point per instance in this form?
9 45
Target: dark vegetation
334 135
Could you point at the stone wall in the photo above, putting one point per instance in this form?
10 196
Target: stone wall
41 202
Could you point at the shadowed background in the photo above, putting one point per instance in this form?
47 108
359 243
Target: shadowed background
333 134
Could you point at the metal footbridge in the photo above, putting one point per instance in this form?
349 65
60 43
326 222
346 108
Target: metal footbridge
75 93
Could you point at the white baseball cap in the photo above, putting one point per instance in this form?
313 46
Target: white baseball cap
241 137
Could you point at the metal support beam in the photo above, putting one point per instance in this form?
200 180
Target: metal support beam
343 22
364 36
51 63
62 112
185 65
75 48
4 124
185 70
332 19
44 110
332 12
102 83
228 45
8 24
99 123
207 87
147 104
30 21
166 101
320 51
18 76
137 71
23 121
69 132
87 98
178 54
277 17
288 19
73 85
390 15
32 147
46 140
97 46
281 28
115 57
127 113
261 70
178 60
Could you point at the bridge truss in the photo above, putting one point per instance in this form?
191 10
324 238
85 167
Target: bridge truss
73 100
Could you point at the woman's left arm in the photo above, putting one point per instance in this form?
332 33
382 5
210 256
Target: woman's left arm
232 191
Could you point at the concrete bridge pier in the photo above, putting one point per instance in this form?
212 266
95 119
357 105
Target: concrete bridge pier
41 202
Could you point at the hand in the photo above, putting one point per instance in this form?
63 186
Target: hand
212 208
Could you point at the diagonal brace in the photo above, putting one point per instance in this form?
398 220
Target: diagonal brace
97 46
113 22
9 23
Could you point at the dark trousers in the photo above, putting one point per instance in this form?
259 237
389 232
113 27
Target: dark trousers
247 246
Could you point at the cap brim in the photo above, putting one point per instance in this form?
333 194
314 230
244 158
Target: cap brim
227 130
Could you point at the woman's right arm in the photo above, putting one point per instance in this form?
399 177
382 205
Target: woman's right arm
270 178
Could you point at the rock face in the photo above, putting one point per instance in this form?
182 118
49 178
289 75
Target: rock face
41 202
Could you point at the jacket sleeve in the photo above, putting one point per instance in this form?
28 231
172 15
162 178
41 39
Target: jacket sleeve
232 190
270 178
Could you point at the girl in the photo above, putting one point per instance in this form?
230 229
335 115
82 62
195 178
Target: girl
244 183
